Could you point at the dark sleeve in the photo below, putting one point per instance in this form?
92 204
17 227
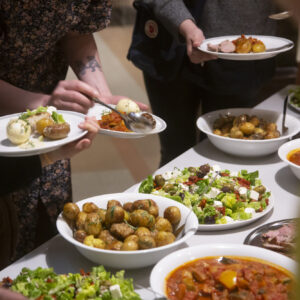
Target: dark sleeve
95 17
17 172
171 13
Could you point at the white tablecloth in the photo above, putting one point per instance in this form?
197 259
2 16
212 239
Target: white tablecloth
275 174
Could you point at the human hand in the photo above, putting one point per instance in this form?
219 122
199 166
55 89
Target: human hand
68 151
73 95
114 99
194 38
6 294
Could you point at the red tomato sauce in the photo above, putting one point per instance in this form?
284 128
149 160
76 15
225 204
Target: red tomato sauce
221 278
113 121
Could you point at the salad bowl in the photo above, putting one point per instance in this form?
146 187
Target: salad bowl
131 259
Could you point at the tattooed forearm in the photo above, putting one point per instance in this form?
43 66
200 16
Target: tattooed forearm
80 67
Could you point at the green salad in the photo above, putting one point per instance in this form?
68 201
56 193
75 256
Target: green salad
295 99
216 196
98 284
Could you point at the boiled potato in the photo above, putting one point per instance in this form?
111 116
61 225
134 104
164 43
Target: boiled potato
164 238
162 224
271 127
114 214
80 220
247 128
98 243
117 245
132 237
127 106
130 246
258 47
128 206
272 134
71 210
80 235
92 224
101 213
18 131
90 207
111 203
254 120
146 242
141 231
172 214
43 123
142 218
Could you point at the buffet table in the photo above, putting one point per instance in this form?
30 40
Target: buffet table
275 174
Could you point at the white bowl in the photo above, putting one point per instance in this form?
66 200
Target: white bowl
180 257
130 259
283 152
248 148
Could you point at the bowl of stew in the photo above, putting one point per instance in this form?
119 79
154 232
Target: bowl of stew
290 154
258 132
224 271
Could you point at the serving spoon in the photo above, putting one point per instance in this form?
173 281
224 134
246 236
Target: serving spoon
281 16
133 121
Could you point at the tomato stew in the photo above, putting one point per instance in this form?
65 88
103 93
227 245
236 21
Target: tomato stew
294 156
113 121
232 278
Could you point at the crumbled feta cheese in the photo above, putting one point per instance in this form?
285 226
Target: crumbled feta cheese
228 220
183 186
156 192
167 175
250 210
243 191
254 195
176 173
115 291
213 193
216 168
218 203
234 173
205 177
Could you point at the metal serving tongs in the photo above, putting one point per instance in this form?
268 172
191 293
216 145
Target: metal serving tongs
178 233
133 121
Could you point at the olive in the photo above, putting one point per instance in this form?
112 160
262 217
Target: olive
260 189
130 246
192 169
80 235
89 207
71 210
227 188
172 213
146 242
92 224
160 181
111 203
80 220
168 187
205 168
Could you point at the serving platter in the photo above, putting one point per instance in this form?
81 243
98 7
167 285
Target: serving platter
98 110
10 150
269 41
254 237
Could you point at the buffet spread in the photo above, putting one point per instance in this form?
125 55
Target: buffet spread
196 218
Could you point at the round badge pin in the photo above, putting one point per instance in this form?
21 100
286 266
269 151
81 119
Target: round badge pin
151 29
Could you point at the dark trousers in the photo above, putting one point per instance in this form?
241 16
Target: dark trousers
178 103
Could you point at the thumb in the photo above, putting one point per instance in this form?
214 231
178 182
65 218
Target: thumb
189 47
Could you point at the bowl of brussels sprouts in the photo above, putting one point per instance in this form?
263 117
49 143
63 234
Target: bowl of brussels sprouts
247 132
126 230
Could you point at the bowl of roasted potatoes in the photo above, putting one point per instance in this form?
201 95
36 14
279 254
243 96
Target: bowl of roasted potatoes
247 132
126 230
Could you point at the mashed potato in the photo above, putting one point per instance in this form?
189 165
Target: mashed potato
127 106
18 131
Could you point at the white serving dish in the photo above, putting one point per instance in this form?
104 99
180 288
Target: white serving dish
248 148
130 259
180 257
283 152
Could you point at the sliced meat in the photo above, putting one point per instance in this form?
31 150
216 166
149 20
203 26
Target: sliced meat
213 47
227 47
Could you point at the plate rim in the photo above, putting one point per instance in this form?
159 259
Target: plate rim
44 149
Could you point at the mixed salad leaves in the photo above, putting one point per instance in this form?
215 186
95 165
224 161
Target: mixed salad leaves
44 283
216 196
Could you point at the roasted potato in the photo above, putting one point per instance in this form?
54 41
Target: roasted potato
247 128
80 235
80 220
117 245
114 214
142 218
172 214
92 224
130 246
90 207
111 203
128 206
146 242
163 224
164 238
141 231
132 237
101 213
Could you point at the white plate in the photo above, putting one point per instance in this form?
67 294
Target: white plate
178 258
295 107
11 150
98 110
130 259
235 224
269 41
